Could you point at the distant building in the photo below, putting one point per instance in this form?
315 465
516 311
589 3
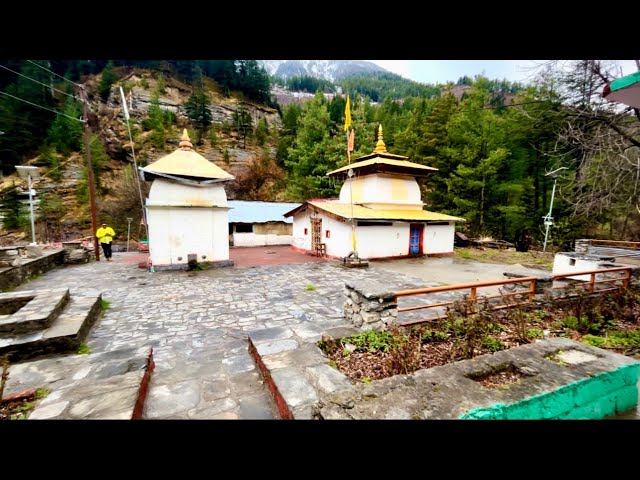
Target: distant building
187 209
256 224
380 205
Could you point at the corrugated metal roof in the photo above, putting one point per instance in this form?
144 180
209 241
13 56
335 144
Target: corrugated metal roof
365 213
259 212
383 161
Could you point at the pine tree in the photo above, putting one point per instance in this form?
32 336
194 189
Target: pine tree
109 76
14 212
197 108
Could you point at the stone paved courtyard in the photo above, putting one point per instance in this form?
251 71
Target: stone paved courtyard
198 322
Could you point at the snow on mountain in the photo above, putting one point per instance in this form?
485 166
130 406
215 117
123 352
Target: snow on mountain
332 70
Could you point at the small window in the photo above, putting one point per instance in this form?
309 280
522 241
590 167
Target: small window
244 228
374 224
327 234
572 262
306 231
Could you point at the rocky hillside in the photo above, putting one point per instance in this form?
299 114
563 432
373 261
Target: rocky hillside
222 144
143 84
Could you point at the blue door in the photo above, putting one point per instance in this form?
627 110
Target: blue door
415 239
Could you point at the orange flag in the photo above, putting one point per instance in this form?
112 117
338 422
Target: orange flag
351 140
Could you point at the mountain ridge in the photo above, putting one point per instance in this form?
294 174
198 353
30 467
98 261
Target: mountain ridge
332 70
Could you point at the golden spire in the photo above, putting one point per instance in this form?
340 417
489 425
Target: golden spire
185 141
380 146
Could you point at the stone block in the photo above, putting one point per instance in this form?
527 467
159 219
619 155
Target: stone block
276 347
294 387
328 379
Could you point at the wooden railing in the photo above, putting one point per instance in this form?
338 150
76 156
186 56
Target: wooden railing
526 294
615 244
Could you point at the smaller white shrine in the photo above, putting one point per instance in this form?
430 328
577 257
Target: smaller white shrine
187 211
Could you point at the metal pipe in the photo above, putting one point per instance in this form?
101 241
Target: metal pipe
33 228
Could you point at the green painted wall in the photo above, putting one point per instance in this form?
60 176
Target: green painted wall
593 398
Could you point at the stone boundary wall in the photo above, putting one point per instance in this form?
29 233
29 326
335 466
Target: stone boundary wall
13 277
370 306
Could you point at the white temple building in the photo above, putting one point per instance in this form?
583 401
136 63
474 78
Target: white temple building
187 211
379 213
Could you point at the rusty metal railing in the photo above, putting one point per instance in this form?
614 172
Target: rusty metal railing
528 282
526 294
590 285
615 243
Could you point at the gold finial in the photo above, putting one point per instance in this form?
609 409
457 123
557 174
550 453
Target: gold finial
185 141
380 146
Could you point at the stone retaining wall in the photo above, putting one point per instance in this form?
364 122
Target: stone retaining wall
560 379
370 306
12 277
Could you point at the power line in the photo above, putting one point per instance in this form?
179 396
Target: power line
34 80
40 106
54 73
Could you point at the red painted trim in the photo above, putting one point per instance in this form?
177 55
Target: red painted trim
22 395
281 404
443 254
144 388
310 253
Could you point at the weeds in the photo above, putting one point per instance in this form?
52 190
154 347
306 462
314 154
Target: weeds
105 304
492 344
83 349
310 287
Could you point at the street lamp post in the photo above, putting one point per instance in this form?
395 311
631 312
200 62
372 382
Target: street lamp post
30 173
548 219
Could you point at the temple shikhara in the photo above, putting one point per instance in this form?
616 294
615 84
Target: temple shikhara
379 213
187 210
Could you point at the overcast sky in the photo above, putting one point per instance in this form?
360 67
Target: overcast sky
442 71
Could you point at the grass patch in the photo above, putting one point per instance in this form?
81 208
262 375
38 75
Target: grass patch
310 287
105 304
84 349
617 340
511 257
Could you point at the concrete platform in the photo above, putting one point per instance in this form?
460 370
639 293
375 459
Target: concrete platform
561 379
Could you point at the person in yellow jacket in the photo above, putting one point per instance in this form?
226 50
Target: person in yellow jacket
105 234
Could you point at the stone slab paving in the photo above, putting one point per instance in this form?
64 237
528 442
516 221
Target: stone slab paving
96 386
198 322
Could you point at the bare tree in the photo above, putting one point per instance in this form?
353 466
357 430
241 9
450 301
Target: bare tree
600 139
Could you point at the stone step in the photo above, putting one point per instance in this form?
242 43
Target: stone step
31 310
296 377
109 385
64 335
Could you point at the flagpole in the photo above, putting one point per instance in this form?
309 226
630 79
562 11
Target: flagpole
350 173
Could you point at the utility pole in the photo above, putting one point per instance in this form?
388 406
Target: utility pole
548 219
92 193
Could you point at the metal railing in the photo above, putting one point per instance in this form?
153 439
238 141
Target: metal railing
615 243
528 282
590 285
526 295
